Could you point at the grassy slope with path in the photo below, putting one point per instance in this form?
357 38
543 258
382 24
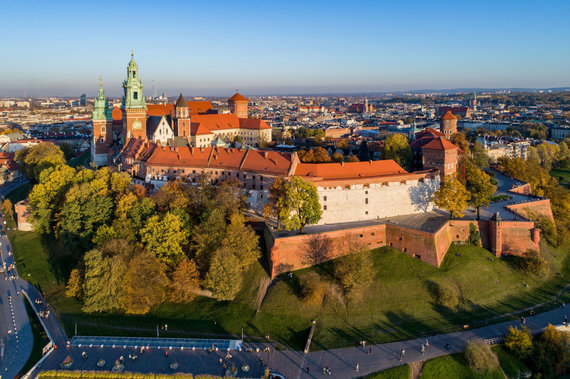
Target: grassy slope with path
399 305
399 372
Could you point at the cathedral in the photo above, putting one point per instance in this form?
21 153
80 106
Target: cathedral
184 124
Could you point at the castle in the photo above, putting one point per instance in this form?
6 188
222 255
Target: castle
184 124
371 203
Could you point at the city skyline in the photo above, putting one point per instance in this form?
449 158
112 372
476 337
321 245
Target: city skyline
292 48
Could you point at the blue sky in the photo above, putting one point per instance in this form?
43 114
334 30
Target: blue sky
282 47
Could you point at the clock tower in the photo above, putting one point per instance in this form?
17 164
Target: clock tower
133 106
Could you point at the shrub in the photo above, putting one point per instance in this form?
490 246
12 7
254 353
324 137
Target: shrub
446 294
519 341
545 224
312 288
474 236
480 356
533 263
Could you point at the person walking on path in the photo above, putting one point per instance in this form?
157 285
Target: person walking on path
402 354
422 349
357 366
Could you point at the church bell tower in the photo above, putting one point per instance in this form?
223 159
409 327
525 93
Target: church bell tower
102 128
133 106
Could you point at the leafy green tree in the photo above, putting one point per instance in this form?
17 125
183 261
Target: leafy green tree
165 237
551 354
34 159
7 210
74 286
102 286
479 155
458 139
47 195
519 341
67 150
397 147
170 196
451 196
242 241
185 281
140 212
301 204
276 202
208 236
144 285
479 185
354 272
82 214
224 275
363 151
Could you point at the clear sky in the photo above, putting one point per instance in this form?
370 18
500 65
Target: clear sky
282 47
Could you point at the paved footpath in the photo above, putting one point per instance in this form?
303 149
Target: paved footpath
293 364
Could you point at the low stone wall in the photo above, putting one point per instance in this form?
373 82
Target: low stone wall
522 190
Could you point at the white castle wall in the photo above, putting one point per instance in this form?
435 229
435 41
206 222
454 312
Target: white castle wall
361 202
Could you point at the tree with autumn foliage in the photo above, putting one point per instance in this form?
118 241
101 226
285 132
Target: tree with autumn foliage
479 185
451 196
300 204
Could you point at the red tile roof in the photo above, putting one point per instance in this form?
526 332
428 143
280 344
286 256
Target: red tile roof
7 160
197 129
448 116
253 123
349 170
238 97
440 143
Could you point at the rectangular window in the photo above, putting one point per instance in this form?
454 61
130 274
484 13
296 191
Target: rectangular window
324 198
366 201
135 95
103 129
325 207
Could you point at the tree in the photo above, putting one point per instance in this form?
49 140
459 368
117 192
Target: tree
140 212
551 354
276 202
242 241
237 139
352 158
301 204
7 210
337 157
451 196
102 286
313 289
224 275
396 147
74 286
354 271
479 155
34 159
208 236
363 151
67 150
185 281
342 143
144 285
479 185
165 237
519 341
480 356
46 196
458 139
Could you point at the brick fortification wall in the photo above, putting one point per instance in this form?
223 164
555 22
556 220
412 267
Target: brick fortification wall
504 237
539 206
522 190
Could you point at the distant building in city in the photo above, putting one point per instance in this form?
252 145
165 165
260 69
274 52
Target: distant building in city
83 100
361 108
560 133
464 112
448 124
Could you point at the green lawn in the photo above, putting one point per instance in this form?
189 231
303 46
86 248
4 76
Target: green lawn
399 372
563 176
454 366
511 365
399 305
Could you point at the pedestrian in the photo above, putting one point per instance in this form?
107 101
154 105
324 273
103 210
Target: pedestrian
422 349
166 354
364 344
221 360
427 343
370 351
565 321
308 369
357 366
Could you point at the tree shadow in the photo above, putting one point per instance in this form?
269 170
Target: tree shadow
421 194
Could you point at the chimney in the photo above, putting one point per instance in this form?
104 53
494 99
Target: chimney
342 163
265 154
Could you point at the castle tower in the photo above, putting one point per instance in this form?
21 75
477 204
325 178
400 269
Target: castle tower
102 128
448 124
182 118
133 107
496 235
238 105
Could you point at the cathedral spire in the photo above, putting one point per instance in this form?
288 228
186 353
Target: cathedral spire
133 88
